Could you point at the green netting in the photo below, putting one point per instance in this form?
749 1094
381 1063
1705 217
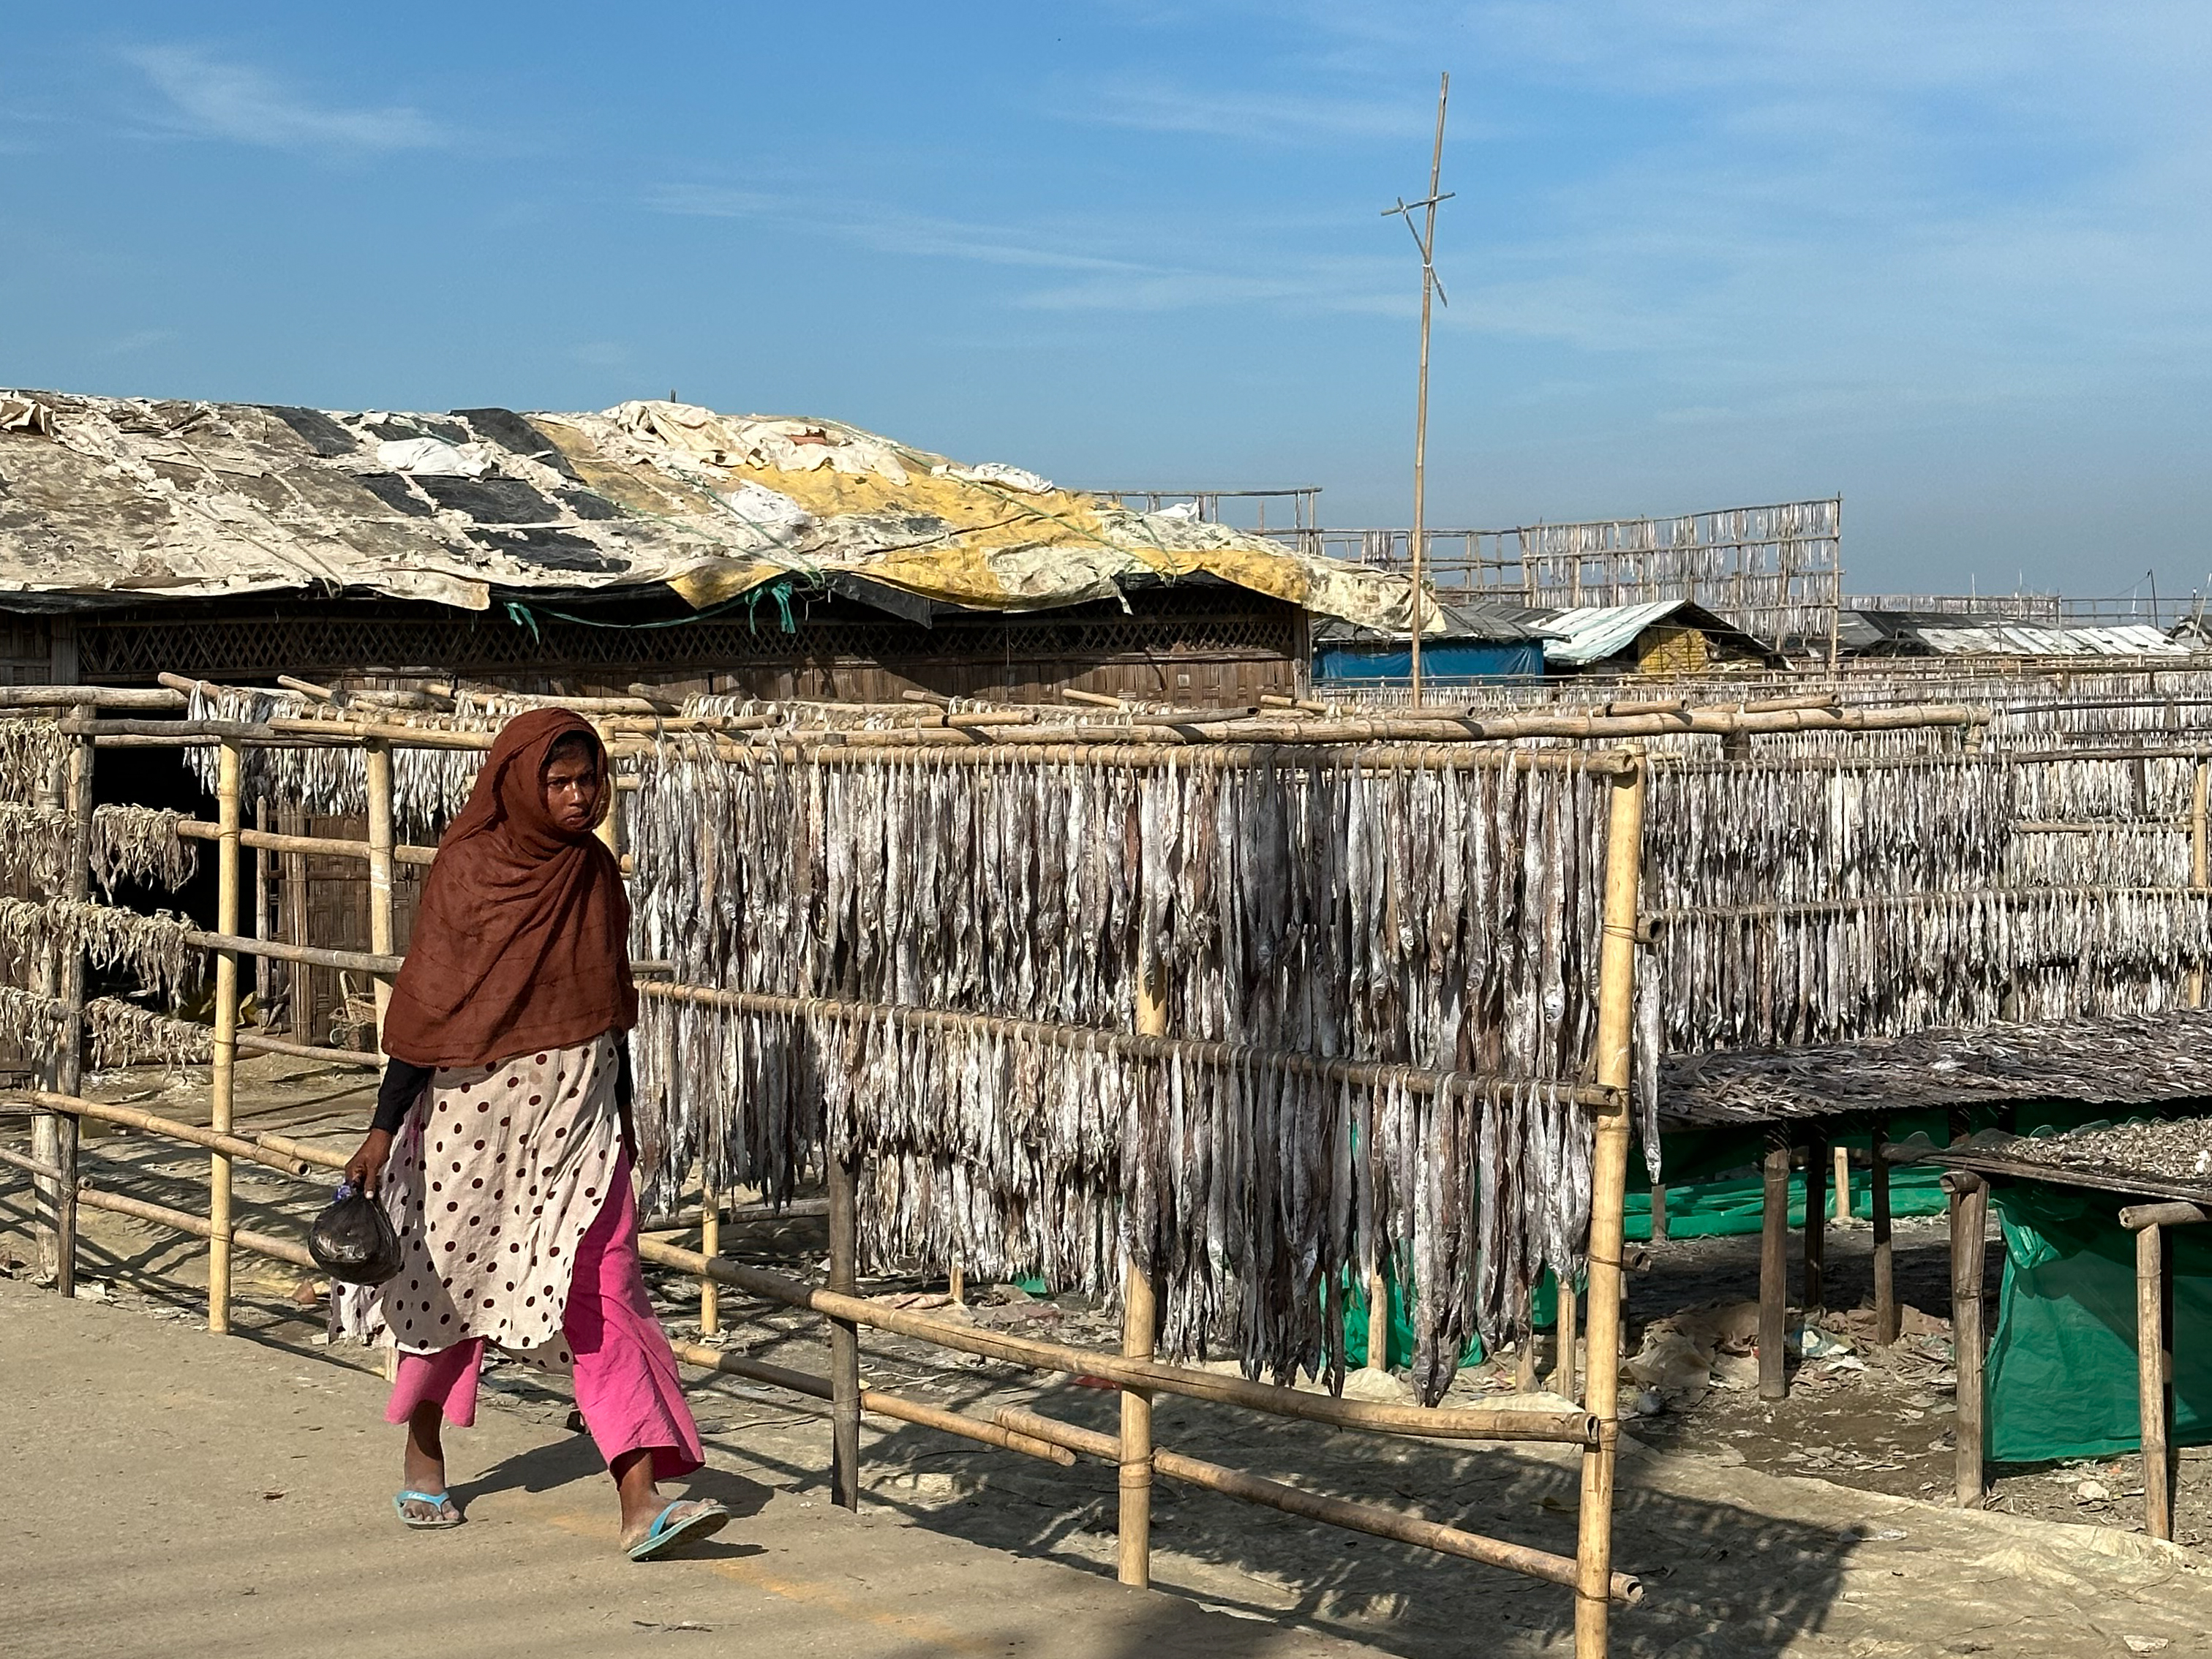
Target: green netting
1707 1209
2061 1376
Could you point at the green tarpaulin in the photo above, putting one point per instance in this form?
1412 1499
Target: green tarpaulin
2060 1374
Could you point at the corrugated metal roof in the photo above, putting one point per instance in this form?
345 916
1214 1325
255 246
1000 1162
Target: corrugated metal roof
2030 640
1591 633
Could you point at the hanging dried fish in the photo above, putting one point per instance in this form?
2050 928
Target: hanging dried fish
141 844
123 1034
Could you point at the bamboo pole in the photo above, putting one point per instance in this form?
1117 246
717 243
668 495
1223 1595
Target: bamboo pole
2154 1375
1524 1356
1416 544
1141 1044
1616 1001
300 975
1378 1319
69 1058
2200 857
896 1407
377 757
1816 1226
46 1130
1333 1511
244 944
1843 1182
1970 1201
1885 1249
1140 1333
278 1151
224 1074
1573 1428
1774 1267
710 1243
844 1336
1660 1233
1566 1337
283 1249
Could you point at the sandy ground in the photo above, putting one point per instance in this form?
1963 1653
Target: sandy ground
179 1440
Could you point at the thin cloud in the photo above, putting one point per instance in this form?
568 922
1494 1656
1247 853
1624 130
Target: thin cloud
1288 118
138 340
211 98
1102 276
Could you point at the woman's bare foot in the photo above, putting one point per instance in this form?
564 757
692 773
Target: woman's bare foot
422 1469
643 1504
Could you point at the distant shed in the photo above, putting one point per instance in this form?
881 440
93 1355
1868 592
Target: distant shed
1472 640
1659 637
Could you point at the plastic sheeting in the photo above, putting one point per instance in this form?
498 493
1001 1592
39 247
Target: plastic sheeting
2061 1373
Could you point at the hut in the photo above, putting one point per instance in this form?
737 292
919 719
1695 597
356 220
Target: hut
1653 637
656 543
1473 641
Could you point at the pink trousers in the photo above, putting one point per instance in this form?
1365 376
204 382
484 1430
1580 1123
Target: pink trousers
627 1387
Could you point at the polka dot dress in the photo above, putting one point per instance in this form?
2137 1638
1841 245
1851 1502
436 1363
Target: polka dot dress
497 1174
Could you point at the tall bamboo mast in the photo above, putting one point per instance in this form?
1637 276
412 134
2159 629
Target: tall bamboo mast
1421 411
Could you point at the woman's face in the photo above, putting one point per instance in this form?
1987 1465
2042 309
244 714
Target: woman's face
571 782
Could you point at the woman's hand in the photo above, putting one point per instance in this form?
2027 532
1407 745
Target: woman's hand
365 1168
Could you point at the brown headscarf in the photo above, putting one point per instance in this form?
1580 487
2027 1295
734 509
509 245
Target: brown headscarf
522 939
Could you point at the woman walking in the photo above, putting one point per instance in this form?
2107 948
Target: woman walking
501 1145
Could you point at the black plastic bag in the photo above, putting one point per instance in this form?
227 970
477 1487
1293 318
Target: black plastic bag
353 1240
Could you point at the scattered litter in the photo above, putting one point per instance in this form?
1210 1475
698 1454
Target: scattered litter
2093 1491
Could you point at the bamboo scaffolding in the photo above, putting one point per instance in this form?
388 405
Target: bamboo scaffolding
1140 740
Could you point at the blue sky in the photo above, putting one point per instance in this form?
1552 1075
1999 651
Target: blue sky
1950 261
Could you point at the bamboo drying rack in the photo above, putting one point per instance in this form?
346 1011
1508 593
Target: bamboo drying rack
88 716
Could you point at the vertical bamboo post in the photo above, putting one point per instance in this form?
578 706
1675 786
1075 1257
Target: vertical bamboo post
710 1244
1774 1267
300 985
1660 1234
1378 1319
265 909
1843 1182
1616 998
56 1139
45 1127
1816 1226
1885 1252
377 759
223 1080
1524 1356
1140 1320
2200 859
2154 1376
1565 1327
844 1337
1970 1210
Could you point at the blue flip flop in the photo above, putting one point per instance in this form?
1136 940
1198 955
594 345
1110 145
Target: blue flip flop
706 1519
448 1515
